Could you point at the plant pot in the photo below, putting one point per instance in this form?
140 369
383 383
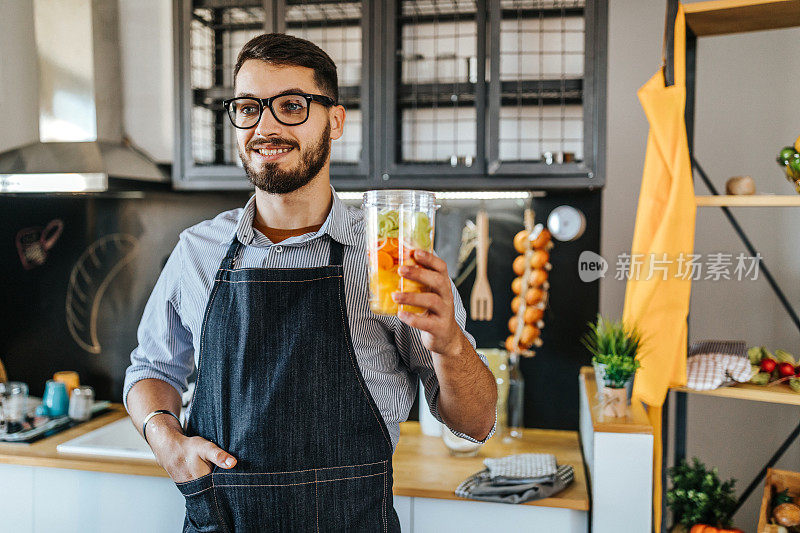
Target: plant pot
599 376
615 402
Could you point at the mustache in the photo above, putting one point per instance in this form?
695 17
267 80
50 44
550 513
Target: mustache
272 141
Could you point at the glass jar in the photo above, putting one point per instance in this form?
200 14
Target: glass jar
13 406
80 406
398 222
459 447
13 401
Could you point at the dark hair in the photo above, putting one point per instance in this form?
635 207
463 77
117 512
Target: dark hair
282 49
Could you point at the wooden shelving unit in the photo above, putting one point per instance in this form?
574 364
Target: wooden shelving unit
725 17
781 393
755 200
722 17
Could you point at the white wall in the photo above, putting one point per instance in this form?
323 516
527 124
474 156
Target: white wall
748 107
19 78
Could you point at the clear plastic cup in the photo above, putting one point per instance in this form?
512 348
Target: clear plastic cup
398 222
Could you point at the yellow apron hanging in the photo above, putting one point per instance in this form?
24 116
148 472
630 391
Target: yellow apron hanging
665 220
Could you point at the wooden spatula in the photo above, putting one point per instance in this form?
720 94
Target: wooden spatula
480 301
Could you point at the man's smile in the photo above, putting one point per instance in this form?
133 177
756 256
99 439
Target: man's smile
270 154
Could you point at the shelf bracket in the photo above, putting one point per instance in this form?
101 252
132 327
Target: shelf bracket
772 461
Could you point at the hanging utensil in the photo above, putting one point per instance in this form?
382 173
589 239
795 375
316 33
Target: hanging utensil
481 298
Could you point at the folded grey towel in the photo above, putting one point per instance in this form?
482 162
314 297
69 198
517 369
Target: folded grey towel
521 468
481 486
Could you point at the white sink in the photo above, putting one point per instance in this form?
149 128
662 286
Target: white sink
117 439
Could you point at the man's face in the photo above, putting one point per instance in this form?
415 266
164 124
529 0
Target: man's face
308 143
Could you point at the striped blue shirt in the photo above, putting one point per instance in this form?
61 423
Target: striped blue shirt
389 353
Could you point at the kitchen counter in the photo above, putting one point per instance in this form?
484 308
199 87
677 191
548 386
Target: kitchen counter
43 452
423 467
422 464
113 490
634 421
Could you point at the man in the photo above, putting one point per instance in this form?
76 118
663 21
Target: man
300 388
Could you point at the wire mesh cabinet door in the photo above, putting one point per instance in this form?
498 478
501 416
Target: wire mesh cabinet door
546 91
434 92
209 35
493 94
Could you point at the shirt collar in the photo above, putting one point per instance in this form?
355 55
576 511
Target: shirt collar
338 224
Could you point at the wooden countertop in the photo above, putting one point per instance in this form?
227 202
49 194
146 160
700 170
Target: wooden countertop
422 465
43 452
636 420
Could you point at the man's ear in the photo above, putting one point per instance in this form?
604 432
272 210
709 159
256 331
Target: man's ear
336 115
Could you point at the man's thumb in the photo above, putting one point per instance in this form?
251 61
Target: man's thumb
218 456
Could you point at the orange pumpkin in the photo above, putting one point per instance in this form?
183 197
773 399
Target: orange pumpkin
702 528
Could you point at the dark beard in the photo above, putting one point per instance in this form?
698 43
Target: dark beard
274 180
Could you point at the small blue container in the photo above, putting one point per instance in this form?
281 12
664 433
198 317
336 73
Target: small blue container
56 399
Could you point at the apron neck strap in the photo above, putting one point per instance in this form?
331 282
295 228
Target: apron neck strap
337 253
231 255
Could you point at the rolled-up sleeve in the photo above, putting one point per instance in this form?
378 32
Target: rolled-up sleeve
420 360
165 349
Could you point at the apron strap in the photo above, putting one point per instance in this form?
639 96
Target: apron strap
335 259
232 255
336 254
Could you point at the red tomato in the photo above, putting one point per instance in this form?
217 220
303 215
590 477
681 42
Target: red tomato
768 365
786 369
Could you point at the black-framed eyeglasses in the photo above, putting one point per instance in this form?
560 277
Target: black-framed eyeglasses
289 109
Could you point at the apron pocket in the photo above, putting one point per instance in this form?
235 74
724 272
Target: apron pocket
257 502
355 498
347 498
201 510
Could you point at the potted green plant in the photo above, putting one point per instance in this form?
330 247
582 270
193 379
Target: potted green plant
697 496
613 347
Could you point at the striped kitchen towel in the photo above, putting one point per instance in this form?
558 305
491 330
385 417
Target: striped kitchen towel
480 486
521 467
713 364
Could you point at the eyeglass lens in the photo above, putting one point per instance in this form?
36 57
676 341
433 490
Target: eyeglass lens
289 109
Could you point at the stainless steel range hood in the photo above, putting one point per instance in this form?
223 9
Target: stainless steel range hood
82 147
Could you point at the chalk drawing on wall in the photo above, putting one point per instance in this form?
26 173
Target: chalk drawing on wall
34 243
94 270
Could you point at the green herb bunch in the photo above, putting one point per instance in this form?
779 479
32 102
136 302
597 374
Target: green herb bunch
613 345
698 497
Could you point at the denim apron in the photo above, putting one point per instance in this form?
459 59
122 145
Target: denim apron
278 387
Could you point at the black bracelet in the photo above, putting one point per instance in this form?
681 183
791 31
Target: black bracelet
154 413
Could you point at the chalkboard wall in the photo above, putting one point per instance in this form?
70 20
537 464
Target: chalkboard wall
78 304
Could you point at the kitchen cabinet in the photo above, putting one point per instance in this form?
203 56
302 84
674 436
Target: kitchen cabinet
619 461
54 499
442 95
209 35
68 492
